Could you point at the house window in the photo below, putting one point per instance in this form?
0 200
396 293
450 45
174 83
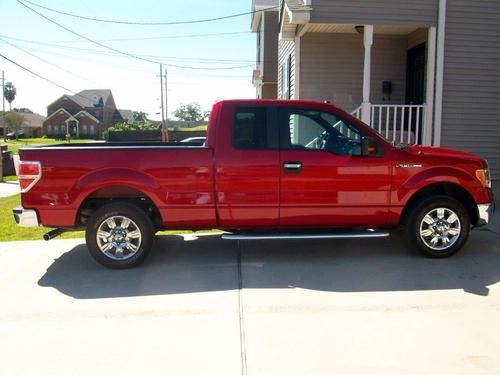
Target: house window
49 129
92 129
84 129
285 77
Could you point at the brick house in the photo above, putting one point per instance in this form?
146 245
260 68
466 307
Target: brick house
83 115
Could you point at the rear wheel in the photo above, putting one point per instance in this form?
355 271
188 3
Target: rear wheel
438 227
119 235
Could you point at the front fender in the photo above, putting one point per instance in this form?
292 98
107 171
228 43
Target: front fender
432 176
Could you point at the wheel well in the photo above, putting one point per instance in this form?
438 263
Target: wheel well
114 194
448 189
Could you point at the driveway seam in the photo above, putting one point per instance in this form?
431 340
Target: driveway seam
240 312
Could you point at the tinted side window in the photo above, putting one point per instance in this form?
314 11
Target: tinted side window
250 130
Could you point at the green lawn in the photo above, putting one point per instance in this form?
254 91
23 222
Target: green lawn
193 129
10 231
15 145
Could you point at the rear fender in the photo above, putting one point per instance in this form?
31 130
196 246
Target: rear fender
97 180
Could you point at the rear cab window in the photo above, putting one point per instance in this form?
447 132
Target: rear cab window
254 128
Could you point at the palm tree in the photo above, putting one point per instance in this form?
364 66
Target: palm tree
9 93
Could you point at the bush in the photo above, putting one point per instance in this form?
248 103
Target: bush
123 126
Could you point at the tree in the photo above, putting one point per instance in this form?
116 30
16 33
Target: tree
9 93
22 110
139 118
191 112
14 122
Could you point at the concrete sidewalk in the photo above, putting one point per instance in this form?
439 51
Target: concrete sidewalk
9 188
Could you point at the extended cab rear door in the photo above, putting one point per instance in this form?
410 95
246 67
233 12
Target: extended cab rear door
247 166
325 181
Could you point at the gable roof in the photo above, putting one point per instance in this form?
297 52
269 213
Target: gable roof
59 111
126 113
88 98
86 114
30 120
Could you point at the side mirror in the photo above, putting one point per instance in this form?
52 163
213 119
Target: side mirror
368 146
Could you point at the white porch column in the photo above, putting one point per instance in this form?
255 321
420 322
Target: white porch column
429 87
367 42
438 109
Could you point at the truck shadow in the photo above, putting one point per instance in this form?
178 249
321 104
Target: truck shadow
207 263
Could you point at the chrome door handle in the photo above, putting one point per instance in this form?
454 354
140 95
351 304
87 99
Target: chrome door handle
292 166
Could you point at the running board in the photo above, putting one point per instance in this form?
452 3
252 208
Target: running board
298 236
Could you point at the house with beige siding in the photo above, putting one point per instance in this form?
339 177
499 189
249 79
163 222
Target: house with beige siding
424 72
265 23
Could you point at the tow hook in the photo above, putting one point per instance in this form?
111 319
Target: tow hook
54 233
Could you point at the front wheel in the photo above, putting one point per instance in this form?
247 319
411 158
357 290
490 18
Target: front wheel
438 227
119 235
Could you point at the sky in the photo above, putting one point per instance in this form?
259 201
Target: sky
135 83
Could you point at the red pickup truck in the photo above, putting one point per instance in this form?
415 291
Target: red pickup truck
269 169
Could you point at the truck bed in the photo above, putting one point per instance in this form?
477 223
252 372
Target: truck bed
167 174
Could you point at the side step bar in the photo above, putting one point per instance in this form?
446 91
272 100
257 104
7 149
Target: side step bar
298 236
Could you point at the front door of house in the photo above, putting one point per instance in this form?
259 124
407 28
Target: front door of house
415 85
73 128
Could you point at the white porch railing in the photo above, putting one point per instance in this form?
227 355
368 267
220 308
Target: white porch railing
402 123
357 113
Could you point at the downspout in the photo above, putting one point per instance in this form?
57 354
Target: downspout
438 111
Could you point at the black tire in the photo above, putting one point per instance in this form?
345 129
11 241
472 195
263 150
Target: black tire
126 252
420 233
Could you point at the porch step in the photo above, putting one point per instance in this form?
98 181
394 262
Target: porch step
302 236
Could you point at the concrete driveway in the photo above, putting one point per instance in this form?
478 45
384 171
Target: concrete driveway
200 305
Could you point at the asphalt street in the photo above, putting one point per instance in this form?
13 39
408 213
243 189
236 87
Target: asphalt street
201 305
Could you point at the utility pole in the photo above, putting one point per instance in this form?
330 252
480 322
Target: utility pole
161 89
164 111
3 123
3 107
165 124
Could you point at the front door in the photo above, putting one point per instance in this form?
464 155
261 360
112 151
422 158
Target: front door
325 181
73 128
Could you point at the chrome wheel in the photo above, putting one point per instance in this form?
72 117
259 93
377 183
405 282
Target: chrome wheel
118 237
440 228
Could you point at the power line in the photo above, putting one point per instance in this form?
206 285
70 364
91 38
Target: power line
122 52
147 23
167 37
89 50
51 81
46 61
39 76
80 59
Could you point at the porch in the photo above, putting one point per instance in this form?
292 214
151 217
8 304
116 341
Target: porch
382 74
